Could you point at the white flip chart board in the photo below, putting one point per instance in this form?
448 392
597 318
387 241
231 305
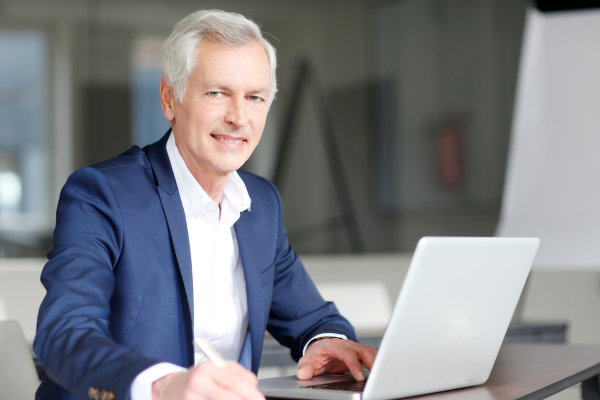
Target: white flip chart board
552 187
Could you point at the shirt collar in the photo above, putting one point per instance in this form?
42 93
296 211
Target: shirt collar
193 197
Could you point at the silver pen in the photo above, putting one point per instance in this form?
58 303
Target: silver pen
210 352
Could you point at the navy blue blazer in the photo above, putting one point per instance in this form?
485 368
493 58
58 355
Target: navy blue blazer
119 278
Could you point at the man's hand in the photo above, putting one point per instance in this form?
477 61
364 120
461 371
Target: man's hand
207 381
336 356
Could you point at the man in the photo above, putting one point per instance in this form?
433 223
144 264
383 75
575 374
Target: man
169 242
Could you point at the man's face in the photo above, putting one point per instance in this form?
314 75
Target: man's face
221 118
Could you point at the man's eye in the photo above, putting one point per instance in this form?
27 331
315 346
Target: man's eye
255 98
215 94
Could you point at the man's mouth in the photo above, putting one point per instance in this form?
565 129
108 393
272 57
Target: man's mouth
227 139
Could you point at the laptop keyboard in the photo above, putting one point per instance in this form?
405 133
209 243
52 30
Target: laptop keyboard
352 386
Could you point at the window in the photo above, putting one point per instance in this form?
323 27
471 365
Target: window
23 136
149 122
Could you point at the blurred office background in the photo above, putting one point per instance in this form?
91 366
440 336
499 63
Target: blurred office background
401 84
392 122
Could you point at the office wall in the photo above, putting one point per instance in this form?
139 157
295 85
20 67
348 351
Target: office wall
451 66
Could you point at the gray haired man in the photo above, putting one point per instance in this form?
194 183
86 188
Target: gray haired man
117 323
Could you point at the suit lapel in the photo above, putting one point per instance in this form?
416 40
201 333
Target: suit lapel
181 243
173 208
247 245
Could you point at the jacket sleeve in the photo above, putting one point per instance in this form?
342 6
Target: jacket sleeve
73 341
298 312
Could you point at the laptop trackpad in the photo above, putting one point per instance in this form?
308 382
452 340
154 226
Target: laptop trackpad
281 387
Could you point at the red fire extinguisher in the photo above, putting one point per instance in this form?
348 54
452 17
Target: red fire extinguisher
449 156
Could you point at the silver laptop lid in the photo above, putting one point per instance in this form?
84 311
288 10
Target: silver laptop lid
451 316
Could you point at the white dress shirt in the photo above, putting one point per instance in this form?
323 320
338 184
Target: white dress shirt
220 302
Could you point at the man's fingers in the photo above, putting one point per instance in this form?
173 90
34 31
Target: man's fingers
336 356
232 370
231 382
207 388
367 355
349 357
345 351
209 382
306 369
244 382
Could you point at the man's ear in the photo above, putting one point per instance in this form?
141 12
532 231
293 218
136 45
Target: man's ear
167 99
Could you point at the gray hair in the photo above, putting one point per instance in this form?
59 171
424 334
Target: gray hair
178 62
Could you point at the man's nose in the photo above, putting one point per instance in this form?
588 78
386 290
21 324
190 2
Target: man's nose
236 113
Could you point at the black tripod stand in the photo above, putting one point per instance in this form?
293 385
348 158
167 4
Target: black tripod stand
306 79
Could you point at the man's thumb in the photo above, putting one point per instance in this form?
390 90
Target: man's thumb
306 372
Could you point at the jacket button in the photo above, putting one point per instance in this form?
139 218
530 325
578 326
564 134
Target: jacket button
107 395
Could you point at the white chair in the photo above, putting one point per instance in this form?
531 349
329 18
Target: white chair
362 286
21 292
365 304
18 378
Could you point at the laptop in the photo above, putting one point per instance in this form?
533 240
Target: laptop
447 326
